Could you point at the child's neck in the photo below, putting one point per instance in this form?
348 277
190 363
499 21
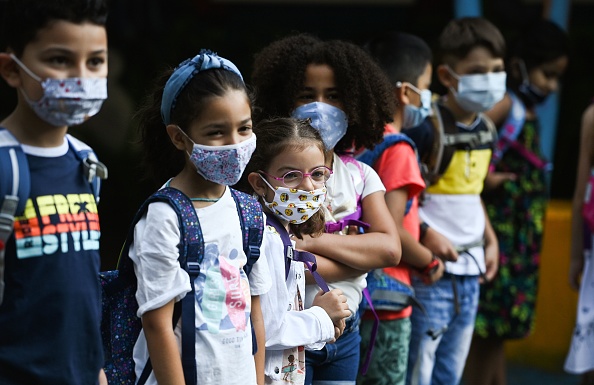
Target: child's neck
195 186
396 122
460 115
31 130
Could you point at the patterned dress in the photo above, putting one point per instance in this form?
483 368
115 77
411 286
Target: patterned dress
516 210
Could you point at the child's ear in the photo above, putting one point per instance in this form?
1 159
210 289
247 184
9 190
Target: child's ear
257 183
445 77
9 70
177 138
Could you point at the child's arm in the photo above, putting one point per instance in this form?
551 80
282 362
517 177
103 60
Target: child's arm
583 173
102 377
413 253
439 245
378 247
258 324
491 249
162 345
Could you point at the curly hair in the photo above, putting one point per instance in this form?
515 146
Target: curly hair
366 92
275 136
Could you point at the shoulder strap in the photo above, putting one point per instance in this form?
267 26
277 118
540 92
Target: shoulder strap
369 157
296 255
94 170
15 186
252 226
191 253
511 128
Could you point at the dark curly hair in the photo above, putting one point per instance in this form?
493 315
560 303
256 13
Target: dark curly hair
366 92
276 136
161 158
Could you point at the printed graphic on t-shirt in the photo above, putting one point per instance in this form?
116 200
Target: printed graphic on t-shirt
293 370
222 293
57 223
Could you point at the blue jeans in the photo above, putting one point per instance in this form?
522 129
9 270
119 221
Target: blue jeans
337 363
451 313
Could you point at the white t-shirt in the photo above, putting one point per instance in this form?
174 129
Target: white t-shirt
289 328
346 183
223 293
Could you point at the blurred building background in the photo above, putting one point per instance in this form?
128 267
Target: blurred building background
146 37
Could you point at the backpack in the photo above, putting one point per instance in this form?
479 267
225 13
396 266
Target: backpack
120 325
508 137
446 139
369 157
15 183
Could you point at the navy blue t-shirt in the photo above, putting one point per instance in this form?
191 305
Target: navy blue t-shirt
51 313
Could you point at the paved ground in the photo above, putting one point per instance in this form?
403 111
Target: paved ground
521 375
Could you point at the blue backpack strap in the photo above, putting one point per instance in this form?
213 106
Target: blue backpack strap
252 226
369 157
510 130
94 170
15 186
191 253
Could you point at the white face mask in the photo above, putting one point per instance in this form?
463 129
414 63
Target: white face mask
66 102
479 92
293 205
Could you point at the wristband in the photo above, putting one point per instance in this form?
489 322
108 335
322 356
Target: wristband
431 267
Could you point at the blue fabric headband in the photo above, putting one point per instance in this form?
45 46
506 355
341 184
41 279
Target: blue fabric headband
184 72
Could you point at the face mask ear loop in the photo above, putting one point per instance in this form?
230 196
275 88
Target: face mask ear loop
268 184
24 68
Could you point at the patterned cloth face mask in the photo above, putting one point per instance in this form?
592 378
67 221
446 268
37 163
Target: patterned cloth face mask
479 92
413 116
66 102
222 164
293 205
331 122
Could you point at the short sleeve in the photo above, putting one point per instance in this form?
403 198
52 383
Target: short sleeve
372 183
155 256
259 277
398 167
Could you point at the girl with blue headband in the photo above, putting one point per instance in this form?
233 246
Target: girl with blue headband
196 132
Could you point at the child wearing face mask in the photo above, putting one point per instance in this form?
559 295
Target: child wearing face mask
347 98
406 60
507 303
55 58
287 172
471 68
196 131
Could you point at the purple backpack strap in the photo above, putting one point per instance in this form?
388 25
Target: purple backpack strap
296 255
374 329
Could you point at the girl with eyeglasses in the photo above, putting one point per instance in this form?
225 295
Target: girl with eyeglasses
348 100
288 174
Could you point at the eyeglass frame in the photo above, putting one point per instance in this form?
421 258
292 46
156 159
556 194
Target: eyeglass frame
303 176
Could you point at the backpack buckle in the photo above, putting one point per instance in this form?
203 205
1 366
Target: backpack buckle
193 269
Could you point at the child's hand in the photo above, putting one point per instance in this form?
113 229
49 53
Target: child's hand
440 245
496 179
491 260
576 268
335 304
434 276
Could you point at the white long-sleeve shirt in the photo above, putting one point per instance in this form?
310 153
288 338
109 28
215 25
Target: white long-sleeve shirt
290 329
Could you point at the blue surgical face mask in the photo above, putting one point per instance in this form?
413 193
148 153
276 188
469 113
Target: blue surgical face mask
479 92
331 122
413 116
